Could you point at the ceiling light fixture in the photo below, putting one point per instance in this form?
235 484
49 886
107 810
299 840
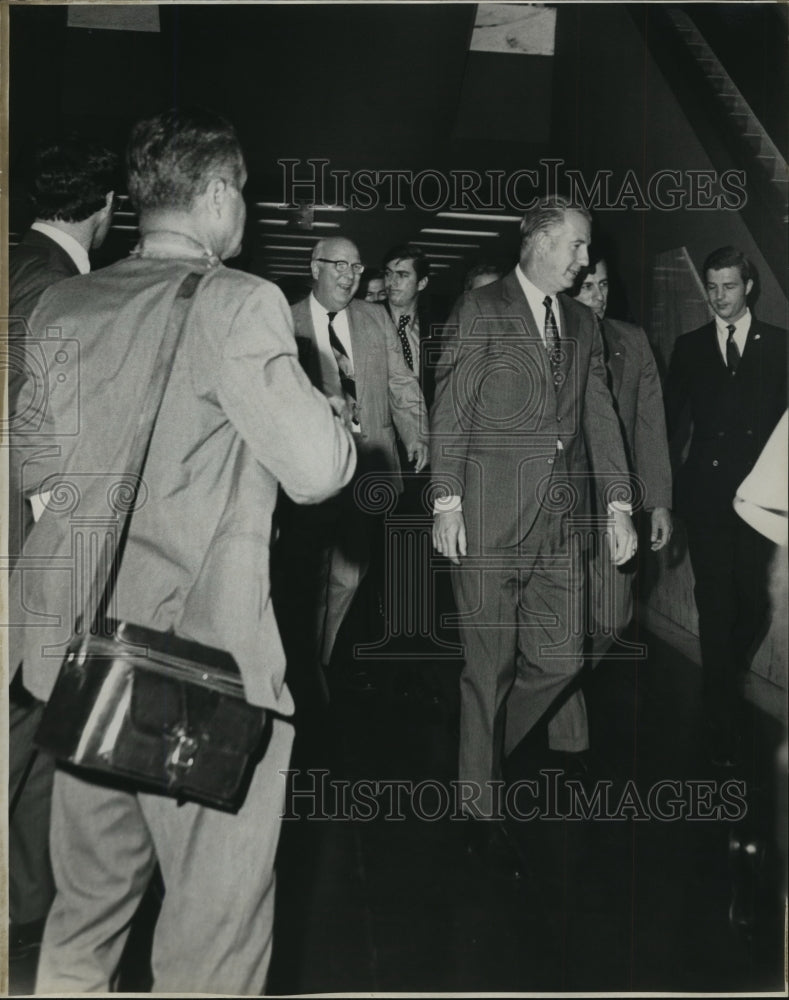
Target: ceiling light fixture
477 217
458 232
438 243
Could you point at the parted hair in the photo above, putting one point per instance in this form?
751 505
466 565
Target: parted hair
172 156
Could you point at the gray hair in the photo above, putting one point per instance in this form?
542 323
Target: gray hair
548 213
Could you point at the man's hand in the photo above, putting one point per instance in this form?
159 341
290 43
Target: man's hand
449 535
340 406
420 453
625 540
662 526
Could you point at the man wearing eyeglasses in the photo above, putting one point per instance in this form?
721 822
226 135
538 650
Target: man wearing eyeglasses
351 352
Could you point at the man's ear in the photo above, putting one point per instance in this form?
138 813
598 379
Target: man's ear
748 287
422 284
215 194
314 268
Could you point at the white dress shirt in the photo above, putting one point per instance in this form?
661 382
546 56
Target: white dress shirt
320 323
66 241
741 328
328 362
536 300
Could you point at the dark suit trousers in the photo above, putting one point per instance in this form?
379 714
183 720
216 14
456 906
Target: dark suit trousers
730 564
521 624
31 888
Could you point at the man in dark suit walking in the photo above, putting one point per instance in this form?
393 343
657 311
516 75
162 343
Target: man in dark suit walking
729 379
72 188
522 413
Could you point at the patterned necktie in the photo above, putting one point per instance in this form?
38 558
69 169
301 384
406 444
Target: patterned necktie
402 326
732 351
552 342
347 380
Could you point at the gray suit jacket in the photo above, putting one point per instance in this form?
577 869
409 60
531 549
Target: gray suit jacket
388 393
635 385
238 417
497 417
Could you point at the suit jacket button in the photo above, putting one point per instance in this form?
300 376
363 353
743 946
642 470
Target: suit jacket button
550 461
721 434
749 433
715 462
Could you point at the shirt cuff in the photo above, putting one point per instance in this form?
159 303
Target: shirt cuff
447 505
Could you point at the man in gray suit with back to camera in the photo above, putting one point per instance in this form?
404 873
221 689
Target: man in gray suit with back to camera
522 414
238 417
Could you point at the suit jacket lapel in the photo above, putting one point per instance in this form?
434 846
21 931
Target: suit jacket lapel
752 343
616 349
569 336
359 347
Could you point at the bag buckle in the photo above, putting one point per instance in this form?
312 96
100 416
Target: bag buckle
182 756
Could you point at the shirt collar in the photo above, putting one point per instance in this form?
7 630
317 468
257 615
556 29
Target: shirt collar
536 300
742 325
66 242
314 304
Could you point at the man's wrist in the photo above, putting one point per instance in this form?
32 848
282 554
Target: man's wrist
447 504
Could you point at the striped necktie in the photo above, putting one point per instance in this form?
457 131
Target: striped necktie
347 379
553 342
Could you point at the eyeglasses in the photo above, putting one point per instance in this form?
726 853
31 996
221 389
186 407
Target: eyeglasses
342 265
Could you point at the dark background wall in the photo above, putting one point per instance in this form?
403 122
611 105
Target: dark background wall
394 86
617 110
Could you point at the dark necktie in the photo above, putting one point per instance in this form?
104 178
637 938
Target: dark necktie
732 351
347 380
402 326
552 342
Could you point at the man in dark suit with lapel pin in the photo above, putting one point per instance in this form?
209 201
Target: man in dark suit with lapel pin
729 379
522 414
352 353
638 399
72 186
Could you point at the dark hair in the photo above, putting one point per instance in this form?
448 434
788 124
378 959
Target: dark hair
590 268
728 257
71 178
547 213
484 267
412 252
172 156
